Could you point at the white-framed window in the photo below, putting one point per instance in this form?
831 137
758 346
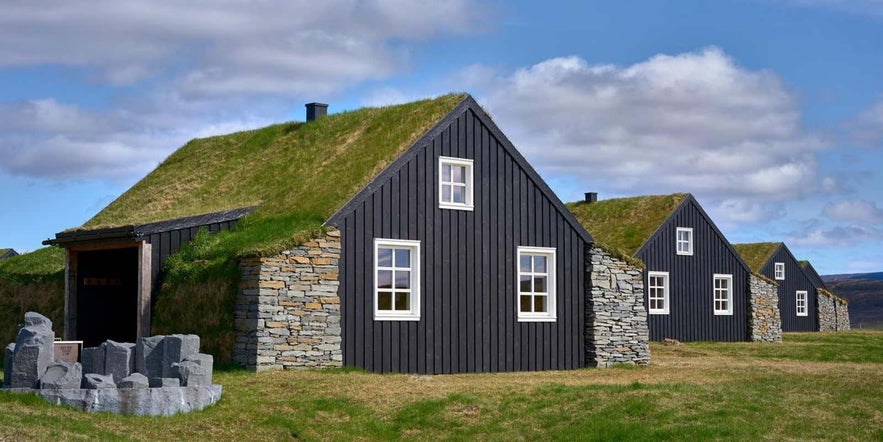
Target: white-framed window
455 185
396 280
657 293
723 294
536 284
802 309
779 271
684 240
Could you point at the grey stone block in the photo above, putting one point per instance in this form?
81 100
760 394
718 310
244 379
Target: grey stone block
191 373
177 348
32 355
164 382
120 360
137 401
7 364
134 380
93 358
61 375
149 356
92 381
35 319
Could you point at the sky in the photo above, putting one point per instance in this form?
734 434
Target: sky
769 111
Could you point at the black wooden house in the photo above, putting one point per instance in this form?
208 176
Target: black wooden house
797 292
695 283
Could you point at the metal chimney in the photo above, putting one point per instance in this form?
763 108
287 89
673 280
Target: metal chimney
591 197
316 111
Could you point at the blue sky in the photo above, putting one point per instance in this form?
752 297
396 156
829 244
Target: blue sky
770 112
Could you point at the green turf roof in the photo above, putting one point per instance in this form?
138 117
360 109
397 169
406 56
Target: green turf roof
4 251
293 168
756 254
625 223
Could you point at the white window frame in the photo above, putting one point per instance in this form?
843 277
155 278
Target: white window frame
413 314
728 294
779 271
805 303
666 290
469 185
688 242
550 315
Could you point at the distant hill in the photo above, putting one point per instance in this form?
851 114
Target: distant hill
864 291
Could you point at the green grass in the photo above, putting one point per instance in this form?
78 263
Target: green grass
756 254
696 391
624 224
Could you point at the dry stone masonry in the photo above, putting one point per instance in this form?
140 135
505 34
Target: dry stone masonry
159 375
827 312
765 322
616 321
841 309
288 309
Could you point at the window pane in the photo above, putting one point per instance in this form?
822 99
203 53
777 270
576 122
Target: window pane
384 279
446 193
525 304
539 284
539 304
403 301
524 263
403 258
459 195
403 279
384 257
525 284
446 172
459 174
384 301
539 264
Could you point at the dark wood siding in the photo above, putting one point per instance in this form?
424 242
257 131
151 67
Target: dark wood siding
814 277
468 276
691 280
795 280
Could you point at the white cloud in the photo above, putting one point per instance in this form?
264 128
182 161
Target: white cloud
693 122
229 47
867 127
836 236
176 70
855 211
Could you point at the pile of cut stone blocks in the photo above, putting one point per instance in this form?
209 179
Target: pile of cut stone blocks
140 378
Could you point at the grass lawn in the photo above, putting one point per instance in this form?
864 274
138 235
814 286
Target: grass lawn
815 386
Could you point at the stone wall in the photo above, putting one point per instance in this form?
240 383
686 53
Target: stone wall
616 320
841 309
764 320
827 315
288 309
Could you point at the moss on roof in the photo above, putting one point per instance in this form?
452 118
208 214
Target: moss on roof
624 224
37 265
756 254
4 251
309 169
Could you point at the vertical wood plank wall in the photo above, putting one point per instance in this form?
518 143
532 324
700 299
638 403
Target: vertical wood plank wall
165 244
468 267
691 282
795 280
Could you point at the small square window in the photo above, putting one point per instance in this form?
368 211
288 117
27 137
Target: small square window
657 293
780 271
802 309
536 284
684 240
396 280
455 185
723 294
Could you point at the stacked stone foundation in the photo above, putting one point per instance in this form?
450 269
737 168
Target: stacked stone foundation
288 308
764 318
616 320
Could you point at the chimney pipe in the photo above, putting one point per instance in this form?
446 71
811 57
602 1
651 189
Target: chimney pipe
316 111
591 197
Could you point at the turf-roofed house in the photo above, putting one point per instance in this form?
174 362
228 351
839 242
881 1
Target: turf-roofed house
7 253
407 238
833 310
697 287
801 293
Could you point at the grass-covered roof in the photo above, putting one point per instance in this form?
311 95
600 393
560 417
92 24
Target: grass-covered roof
624 224
756 254
307 169
3 252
